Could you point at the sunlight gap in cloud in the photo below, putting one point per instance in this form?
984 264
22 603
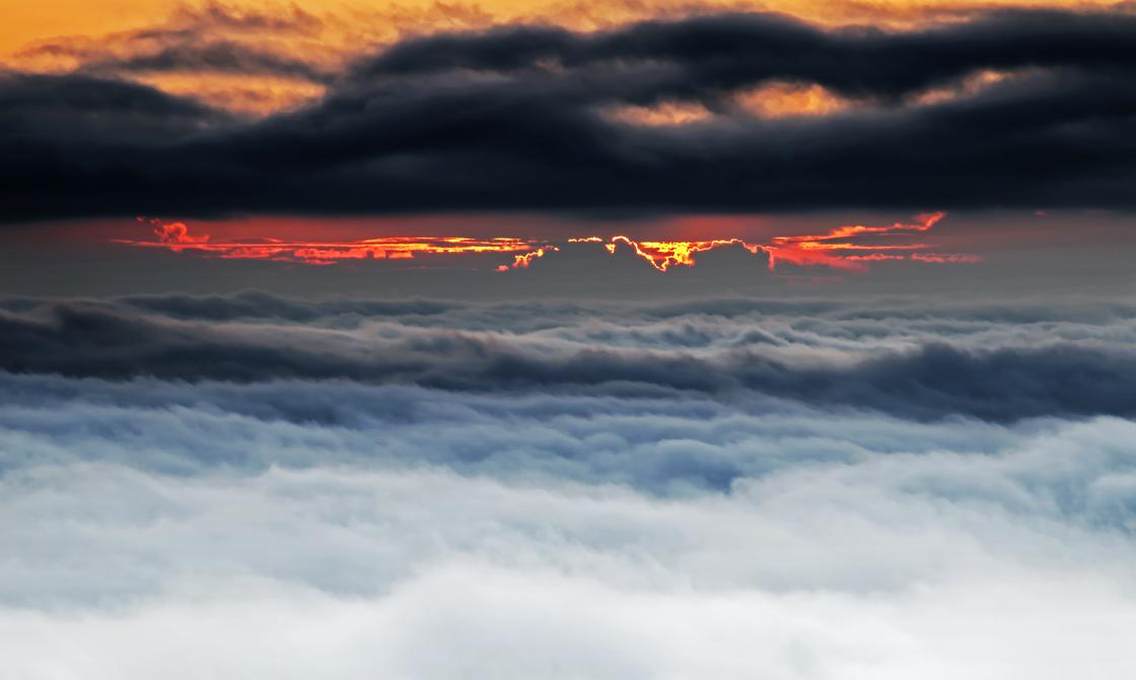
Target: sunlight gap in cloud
839 248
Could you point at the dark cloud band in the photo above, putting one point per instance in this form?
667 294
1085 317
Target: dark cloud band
511 120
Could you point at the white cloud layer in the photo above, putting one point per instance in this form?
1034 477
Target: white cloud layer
333 528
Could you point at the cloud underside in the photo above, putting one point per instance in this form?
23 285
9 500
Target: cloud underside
1027 108
256 486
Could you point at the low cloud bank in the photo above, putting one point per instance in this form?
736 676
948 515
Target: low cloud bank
989 363
174 507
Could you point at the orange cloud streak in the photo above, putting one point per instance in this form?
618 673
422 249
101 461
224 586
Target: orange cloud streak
175 236
839 248
523 260
828 249
924 223
176 233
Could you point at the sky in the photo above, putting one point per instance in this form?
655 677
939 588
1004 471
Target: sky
817 137
567 339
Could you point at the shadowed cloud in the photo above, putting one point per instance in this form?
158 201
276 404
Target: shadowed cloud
824 358
515 120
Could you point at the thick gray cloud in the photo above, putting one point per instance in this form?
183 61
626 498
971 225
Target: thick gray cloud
991 363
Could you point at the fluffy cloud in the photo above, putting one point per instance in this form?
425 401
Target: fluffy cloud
355 522
971 363
884 563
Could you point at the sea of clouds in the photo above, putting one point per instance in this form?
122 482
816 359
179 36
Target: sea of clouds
247 486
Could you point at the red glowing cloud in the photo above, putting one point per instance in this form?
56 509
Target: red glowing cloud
838 247
847 247
174 234
175 237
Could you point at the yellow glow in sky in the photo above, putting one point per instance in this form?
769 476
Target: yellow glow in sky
60 35
28 22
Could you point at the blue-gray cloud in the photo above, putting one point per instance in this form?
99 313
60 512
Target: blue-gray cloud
990 363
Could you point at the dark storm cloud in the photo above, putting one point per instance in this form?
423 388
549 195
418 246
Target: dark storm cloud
512 119
114 112
970 362
709 55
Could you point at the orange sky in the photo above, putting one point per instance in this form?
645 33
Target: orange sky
27 22
327 32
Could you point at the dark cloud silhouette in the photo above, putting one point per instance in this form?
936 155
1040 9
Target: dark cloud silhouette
975 363
515 119
705 56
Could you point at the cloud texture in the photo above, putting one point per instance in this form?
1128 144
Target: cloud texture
893 360
519 490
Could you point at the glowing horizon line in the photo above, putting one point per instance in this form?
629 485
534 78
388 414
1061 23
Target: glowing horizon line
837 248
